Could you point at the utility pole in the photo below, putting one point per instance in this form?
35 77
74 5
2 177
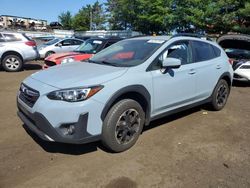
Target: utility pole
91 19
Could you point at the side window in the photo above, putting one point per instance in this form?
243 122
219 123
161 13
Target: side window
1 38
180 50
67 42
11 38
77 42
203 51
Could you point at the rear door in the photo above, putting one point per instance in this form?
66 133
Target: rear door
209 68
67 45
173 88
75 44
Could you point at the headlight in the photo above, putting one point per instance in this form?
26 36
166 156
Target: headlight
67 60
74 94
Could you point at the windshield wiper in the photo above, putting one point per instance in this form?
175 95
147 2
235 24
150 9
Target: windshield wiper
109 63
91 61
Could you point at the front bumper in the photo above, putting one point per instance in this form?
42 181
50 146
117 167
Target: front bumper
41 54
48 63
38 124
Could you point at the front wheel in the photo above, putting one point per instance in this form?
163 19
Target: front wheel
220 95
123 125
48 54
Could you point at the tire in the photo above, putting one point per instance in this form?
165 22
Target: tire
12 63
119 132
48 54
220 95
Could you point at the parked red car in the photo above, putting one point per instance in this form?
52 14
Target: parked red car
83 52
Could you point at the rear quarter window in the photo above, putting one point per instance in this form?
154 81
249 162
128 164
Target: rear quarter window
11 38
1 38
203 51
217 51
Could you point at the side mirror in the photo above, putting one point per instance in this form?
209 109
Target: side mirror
59 44
170 62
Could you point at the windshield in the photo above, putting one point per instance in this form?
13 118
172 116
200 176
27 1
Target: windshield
127 53
89 46
52 42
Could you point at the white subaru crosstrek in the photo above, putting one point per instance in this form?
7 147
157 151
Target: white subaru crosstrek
113 95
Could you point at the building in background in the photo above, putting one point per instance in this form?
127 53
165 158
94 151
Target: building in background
16 22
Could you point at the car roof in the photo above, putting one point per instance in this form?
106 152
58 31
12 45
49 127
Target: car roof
10 32
105 39
164 37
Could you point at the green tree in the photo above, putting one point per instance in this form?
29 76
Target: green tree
152 16
117 16
81 20
65 18
98 16
90 17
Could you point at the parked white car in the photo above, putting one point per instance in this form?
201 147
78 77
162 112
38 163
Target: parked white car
15 50
237 48
58 46
124 87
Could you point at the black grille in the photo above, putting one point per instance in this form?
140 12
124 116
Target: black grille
28 95
50 63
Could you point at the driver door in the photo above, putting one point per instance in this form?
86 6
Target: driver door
173 88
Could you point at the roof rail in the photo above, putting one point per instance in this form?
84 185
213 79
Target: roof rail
192 35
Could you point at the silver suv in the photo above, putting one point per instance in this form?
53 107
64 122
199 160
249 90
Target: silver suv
58 46
115 93
15 49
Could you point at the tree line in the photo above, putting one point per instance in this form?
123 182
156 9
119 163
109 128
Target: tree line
162 16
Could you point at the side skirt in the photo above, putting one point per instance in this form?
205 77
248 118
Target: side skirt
180 109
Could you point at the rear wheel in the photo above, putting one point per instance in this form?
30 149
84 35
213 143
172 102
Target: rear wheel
123 125
12 63
220 95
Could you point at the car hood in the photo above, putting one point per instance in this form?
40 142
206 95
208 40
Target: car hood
78 74
54 57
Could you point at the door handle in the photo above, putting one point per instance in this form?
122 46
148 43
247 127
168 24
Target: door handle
218 67
191 71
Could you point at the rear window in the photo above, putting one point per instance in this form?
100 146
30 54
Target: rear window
203 51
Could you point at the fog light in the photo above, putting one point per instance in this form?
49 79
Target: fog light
70 130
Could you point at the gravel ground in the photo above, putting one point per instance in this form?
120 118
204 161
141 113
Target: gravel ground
195 148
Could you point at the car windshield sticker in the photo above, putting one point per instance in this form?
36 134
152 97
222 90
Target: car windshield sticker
97 42
156 41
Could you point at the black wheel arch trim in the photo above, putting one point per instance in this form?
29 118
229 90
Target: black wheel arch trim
227 74
140 89
10 52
